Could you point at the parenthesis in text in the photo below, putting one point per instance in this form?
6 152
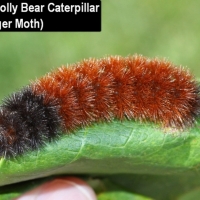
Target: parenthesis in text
42 24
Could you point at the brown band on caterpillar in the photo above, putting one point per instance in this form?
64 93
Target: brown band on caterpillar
117 87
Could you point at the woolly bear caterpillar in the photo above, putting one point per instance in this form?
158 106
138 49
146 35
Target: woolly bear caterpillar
93 90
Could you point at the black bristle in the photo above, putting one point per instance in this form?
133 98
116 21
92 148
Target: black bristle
26 122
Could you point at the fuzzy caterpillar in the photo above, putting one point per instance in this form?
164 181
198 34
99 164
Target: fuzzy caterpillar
93 90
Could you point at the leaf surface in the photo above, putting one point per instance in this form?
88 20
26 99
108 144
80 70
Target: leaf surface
138 157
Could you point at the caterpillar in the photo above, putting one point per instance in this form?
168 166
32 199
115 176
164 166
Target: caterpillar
96 90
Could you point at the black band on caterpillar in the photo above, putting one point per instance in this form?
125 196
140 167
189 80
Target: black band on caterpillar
27 122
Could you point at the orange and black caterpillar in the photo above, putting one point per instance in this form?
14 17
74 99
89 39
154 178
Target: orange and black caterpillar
93 90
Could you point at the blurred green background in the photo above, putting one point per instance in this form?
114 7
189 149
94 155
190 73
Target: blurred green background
167 29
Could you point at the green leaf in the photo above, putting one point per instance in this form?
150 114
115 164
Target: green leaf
137 157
